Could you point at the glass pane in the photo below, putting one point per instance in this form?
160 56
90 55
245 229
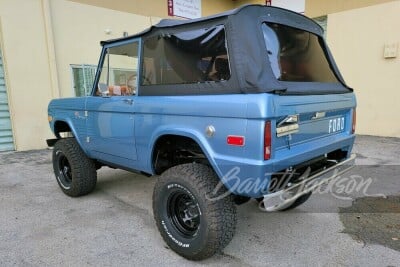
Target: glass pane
296 55
186 57
119 71
89 73
79 82
83 78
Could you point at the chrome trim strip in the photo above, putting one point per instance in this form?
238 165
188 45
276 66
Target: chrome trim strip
287 129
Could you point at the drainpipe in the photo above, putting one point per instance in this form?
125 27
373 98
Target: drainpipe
51 54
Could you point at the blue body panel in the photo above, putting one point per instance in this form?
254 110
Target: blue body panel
116 131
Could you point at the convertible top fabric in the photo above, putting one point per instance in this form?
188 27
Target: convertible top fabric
250 69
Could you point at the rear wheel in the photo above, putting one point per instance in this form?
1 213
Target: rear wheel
74 171
191 222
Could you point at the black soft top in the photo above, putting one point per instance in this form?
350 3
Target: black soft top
311 26
250 68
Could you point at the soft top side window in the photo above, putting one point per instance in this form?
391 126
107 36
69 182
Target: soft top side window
186 57
119 71
296 55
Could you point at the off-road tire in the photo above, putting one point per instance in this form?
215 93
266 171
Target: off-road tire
217 217
75 172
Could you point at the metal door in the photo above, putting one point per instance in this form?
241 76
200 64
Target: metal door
6 136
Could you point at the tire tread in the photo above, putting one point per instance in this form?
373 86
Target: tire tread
222 212
84 175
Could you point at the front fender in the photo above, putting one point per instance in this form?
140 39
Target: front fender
77 133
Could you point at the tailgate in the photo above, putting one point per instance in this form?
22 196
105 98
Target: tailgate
301 119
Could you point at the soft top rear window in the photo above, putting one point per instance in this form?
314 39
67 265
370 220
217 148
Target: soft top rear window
296 55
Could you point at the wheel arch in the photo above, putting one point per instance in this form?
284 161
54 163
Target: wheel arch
61 126
199 139
65 126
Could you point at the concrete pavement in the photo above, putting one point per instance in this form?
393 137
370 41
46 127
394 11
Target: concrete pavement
40 226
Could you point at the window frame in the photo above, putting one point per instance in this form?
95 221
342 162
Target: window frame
103 58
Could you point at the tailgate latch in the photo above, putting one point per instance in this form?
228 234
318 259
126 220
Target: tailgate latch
319 115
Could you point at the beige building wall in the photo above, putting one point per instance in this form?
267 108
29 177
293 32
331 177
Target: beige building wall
39 40
26 58
357 38
157 8
317 8
210 7
239 3
77 40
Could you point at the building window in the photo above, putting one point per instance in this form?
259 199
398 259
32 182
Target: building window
186 57
83 78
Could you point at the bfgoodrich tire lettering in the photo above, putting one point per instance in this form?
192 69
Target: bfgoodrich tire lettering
74 171
191 224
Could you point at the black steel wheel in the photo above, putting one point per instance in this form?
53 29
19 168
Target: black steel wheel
184 213
64 176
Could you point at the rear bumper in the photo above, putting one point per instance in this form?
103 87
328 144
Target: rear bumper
251 178
289 195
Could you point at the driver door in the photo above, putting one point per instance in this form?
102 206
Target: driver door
111 108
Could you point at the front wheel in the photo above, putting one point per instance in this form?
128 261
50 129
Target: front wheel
191 221
75 172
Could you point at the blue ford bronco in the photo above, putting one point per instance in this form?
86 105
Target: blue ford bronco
244 104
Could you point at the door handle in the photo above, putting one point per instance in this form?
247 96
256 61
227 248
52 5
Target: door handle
128 101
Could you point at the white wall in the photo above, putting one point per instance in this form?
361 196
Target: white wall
294 5
26 62
40 39
356 38
78 30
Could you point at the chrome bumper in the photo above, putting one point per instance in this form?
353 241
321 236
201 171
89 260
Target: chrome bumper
288 196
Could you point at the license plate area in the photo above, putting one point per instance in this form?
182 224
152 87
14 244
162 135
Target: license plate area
312 129
336 125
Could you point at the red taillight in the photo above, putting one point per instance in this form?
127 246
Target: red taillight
267 140
353 125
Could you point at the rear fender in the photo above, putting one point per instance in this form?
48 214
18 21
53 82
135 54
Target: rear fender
198 137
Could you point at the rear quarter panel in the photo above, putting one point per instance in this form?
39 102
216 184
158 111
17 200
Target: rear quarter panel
189 116
243 115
